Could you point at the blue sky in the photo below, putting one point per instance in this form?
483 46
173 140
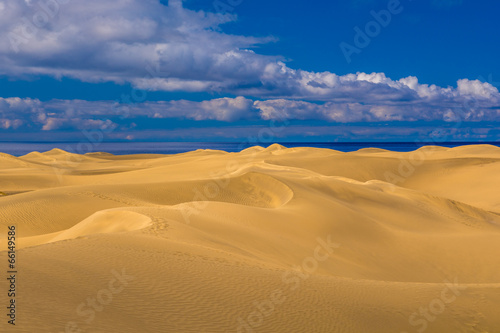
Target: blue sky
232 70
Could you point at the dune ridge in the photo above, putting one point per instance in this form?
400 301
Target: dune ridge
270 239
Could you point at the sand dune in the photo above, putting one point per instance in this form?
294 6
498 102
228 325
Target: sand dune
265 240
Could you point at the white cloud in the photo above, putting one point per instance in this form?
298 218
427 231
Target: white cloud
170 48
279 109
78 114
98 40
477 88
52 115
222 109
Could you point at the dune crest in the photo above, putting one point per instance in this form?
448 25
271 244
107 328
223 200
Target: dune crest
107 221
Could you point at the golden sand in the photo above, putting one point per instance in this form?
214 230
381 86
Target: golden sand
265 240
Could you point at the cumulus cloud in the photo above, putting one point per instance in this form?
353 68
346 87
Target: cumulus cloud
279 109
140 41
34 115
222 109
171 48
78 114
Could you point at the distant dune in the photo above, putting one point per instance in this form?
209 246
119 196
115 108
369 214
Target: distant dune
265 240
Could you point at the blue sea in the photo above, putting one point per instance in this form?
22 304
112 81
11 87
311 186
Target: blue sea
125 148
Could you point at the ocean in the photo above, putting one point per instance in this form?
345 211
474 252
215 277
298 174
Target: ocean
125 148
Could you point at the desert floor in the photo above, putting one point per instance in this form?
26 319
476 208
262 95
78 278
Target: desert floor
265 240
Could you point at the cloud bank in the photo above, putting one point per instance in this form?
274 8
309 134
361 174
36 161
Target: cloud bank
17 113
170 48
